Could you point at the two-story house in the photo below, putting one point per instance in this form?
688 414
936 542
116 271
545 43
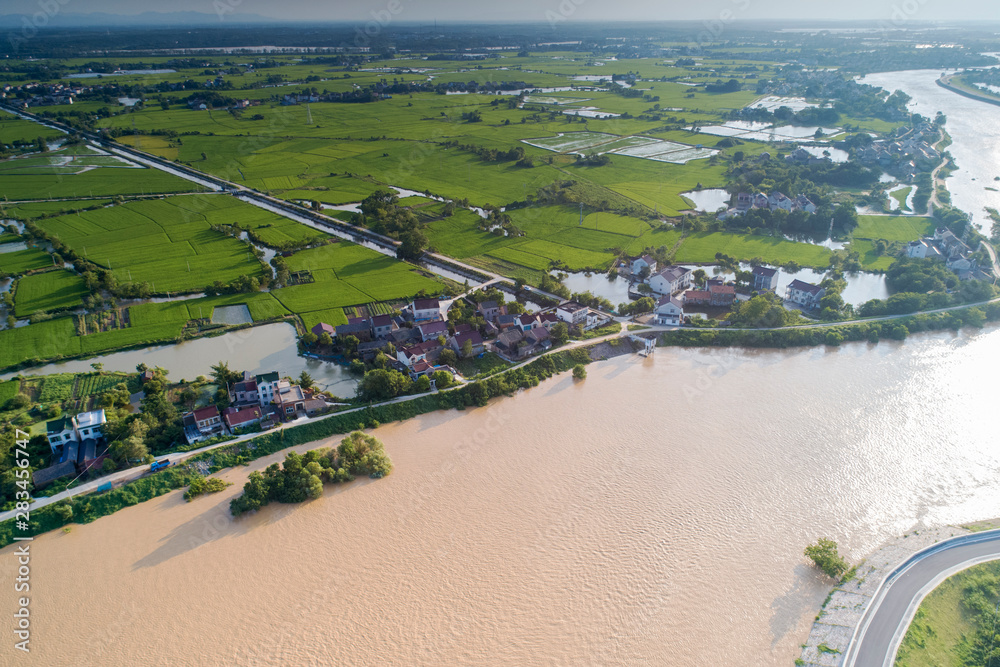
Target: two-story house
670 280
805 294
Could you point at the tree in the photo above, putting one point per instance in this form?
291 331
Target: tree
325 339
97 366
223 375
422 385
826 557
467 348
448 357
580 372
442 379
133 447
380 384
560 333
412 246
306 381
349 345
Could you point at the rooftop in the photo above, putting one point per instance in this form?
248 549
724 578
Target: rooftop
764 271
426 304
91 419
201 414
805 287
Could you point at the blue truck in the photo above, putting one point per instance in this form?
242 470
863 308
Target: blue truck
159 465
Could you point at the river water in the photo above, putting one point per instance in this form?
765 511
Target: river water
974 127
653 514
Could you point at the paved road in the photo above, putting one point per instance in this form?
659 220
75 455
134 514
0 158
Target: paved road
884 623
993 256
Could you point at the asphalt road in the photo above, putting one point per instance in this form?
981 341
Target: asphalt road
885 621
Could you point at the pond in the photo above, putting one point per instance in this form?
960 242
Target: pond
614 290
271 347
861 287
708 201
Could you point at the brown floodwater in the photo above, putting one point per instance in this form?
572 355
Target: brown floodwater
652 514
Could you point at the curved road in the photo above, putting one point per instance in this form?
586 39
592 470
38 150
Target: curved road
884 623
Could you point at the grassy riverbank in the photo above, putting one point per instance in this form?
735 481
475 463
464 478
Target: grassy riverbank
871 331
951 619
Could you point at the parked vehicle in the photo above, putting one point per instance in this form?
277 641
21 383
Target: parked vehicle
159 465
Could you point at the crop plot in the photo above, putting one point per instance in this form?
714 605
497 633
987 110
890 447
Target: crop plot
232 315
52 290
647 148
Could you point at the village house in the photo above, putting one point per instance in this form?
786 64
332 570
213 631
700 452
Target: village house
425 351
923 249
804 294
538 340
202 424
670 280
525 321
289 398
244 393
324 328
61 432
643 262
505 322
242 417
669 312
432 330
489 310
508 343
764 279
425 309
715 295
86 426
382 326
548 319
360 329
458 341
267 385
421 368
572 313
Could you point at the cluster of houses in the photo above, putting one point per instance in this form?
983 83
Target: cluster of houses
40 94
77 444
264 399
947 247
901 155
675 290
421 332
776 201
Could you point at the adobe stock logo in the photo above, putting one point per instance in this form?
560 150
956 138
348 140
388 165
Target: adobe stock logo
715 28
565 10
30 25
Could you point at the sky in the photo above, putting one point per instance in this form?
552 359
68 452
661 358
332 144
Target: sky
540 11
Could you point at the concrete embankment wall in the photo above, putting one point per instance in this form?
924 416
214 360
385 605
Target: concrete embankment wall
967 93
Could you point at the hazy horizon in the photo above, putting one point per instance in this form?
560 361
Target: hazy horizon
548 11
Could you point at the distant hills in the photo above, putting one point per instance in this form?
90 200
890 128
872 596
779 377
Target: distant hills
150 19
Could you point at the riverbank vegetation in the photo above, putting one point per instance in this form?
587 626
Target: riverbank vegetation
301 476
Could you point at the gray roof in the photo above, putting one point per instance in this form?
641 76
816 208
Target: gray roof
46 475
